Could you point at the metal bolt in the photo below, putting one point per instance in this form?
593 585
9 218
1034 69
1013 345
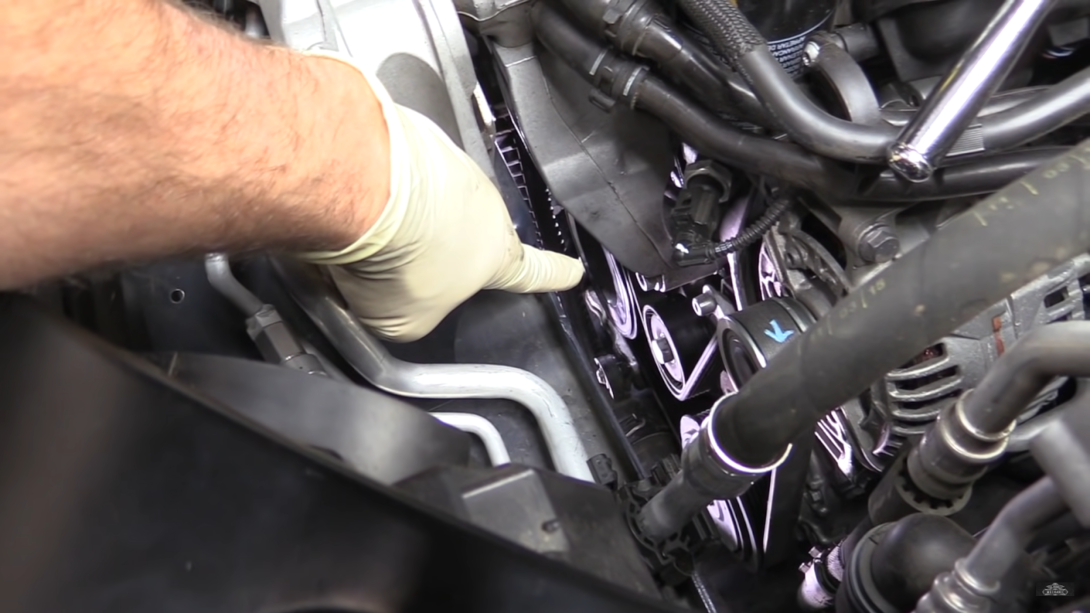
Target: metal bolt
704 305
810 53
663 352
879 244
791 257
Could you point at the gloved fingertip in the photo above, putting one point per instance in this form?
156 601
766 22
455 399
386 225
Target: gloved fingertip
544 271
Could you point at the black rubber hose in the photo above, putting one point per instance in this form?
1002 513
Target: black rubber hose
1019 374
641 29
810 126
973 177
1000 548
996 247
626 79
1057 106
718 139
910 553
794 165
1002 101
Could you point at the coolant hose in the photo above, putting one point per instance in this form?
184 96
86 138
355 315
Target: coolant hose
976 577
813 128
1057 106
973 177
641 29
707 132
996 247
794 165
1019 374
974 432
718 139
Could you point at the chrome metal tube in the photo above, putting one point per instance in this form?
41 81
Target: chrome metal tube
960 96
218 268
481 428
374 362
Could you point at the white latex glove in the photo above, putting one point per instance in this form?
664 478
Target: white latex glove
444 235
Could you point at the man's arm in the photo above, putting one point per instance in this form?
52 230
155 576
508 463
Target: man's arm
130 129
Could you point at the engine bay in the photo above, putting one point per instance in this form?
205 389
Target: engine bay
831 351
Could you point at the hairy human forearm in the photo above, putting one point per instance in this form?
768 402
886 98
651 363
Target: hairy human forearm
130 129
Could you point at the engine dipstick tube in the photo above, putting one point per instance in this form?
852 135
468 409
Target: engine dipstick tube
958 98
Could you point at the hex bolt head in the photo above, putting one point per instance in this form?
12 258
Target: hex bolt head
879 244
663 352
792 258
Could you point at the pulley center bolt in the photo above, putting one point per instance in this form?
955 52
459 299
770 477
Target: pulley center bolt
662 350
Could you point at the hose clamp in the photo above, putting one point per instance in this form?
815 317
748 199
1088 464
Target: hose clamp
728 464
975 432
598 62
968 442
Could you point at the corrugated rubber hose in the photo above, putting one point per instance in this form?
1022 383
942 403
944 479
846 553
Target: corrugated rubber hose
755 231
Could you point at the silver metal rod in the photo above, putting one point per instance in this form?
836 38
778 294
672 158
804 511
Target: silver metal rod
374 362
959 97
218 268
481 428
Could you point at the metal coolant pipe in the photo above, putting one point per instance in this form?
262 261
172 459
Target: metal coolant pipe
965 90
482 429
367 355
218 268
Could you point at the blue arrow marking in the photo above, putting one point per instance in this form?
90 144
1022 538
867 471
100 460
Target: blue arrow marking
778 334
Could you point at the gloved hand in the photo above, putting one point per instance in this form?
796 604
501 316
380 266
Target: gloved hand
444 235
